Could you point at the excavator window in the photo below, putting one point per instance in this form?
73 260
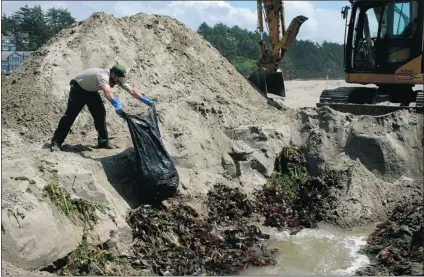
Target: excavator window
402 19
399 20
385 35
366 32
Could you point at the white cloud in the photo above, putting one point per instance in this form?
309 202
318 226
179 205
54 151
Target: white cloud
323 24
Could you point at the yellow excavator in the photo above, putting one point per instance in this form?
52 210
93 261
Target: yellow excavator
268 77
383 46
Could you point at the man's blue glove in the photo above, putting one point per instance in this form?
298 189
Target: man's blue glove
147 101
117 105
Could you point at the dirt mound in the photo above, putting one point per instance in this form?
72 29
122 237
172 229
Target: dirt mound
170 63
398 244
375 163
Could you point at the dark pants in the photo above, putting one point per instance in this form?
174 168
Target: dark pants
78 98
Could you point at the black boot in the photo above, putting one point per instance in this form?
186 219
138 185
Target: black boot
106 145
55 146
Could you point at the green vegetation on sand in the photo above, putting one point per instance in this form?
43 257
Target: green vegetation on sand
75 208
290 172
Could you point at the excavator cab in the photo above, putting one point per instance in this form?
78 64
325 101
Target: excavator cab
383 47
384 37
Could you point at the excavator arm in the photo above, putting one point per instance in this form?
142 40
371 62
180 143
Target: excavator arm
268 77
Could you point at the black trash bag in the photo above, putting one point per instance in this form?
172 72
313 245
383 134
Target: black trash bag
157 175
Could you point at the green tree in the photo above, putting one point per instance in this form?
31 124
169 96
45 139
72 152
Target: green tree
305 59
31 21
58 19
204 29
7 24
32 27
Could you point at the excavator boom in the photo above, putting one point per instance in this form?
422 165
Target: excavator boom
268 77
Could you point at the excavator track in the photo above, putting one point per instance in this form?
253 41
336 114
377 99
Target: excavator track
420 99
364 101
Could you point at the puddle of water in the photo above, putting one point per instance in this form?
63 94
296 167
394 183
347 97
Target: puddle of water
323 251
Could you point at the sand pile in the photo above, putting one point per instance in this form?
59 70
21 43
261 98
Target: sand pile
167 61
218 129
199 94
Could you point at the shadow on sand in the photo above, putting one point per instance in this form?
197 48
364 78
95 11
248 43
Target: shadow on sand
78 148
121 172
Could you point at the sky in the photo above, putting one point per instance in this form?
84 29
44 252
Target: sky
324 23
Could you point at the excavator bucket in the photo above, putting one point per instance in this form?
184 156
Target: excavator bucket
268 81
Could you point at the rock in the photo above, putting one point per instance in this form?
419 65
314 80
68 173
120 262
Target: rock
232 169
11 270
261 164
36 232
378 153
277 103
81 182
240 151
251 179
254 136
36 236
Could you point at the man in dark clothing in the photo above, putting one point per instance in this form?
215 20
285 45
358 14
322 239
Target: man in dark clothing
84 91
